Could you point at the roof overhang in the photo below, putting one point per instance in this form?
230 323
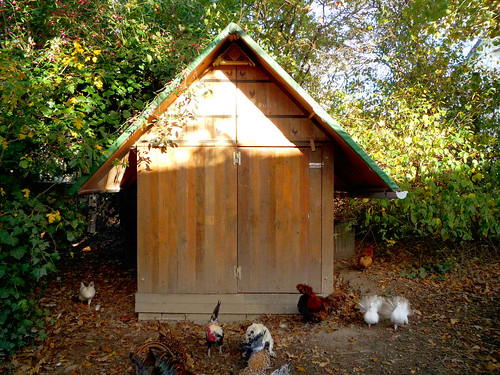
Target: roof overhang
356 174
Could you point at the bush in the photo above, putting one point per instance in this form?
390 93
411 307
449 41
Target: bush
33 227
460 206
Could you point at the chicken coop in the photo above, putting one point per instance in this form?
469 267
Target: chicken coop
239 204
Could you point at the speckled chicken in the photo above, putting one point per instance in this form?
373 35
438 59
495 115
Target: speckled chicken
259 360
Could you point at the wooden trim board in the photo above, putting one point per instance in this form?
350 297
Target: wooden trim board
152 306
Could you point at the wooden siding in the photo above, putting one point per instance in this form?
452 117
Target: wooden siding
202 216
327 226
279 219
187 221
198 307
243 105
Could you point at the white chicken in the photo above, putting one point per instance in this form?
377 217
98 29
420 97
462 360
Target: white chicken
370 305
87 293
397 309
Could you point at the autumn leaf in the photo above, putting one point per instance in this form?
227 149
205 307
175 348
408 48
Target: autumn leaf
492 367
78 123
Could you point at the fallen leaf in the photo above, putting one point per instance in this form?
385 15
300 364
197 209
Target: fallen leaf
492 367
352 339
300 368
375 360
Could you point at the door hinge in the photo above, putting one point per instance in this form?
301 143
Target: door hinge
316 165
237 272
237 158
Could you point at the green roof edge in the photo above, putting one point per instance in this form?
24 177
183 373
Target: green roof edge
231 29
318 109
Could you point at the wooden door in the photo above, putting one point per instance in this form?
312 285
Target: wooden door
279 219
187 221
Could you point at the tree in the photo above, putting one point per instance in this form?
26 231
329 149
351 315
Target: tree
431 120
73 74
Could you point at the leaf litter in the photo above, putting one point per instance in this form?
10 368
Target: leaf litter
454 329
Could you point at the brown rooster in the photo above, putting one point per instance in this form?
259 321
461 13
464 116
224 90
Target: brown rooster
315 308
310 305
365 259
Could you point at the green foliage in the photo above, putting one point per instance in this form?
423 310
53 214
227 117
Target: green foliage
432 122
459 206
33 226
434 270
73 75
454 186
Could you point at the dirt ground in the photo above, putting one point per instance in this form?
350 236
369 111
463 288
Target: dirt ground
454 328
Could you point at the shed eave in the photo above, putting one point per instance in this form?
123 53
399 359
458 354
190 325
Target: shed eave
331 126
316 110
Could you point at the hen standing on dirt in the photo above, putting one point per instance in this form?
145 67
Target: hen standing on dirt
365 259
397 310
87 293
256 351
215 334
370 306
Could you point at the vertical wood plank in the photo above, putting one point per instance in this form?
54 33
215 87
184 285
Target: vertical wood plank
327 236
179 217
272 219
279 203
226 220
166 242
208 242
314 271
143 224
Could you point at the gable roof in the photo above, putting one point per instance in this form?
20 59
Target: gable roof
355 172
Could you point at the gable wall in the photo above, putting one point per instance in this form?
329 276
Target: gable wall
189 212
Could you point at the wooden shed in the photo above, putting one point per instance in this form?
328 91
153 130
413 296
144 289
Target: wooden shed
241 209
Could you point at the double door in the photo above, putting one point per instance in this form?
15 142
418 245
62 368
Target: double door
232 219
